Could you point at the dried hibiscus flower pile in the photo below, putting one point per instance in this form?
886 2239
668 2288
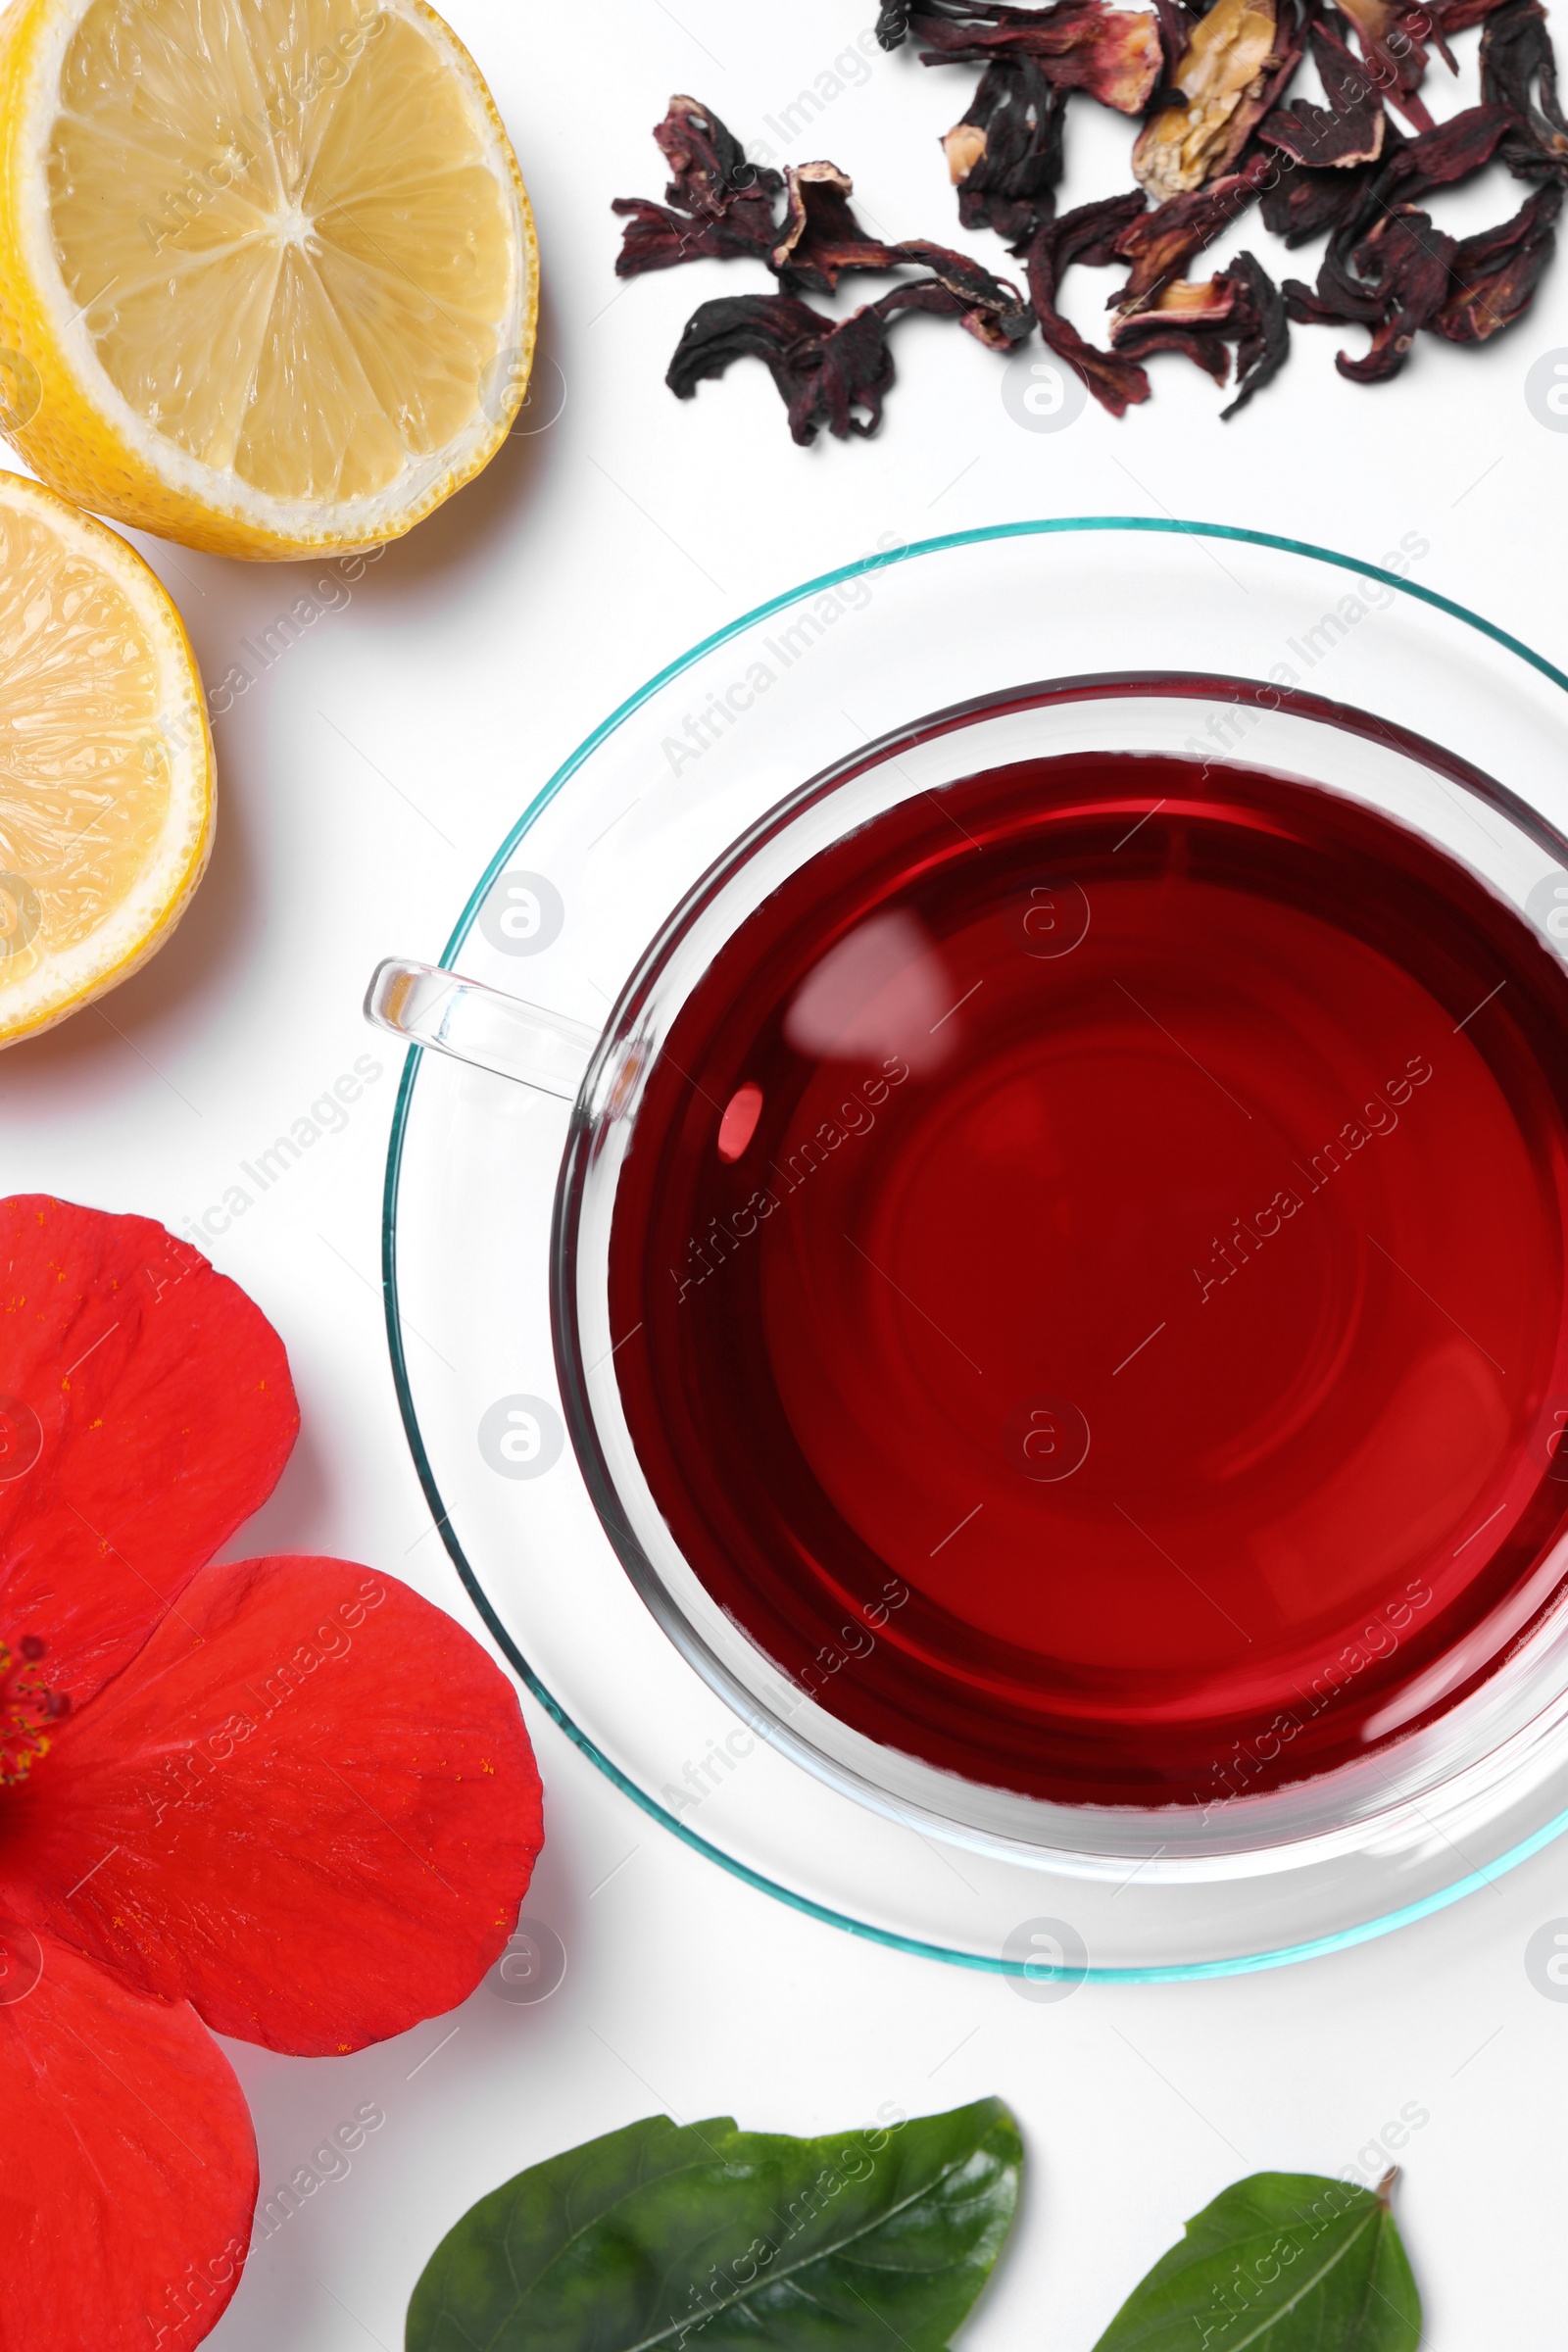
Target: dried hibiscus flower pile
1219 133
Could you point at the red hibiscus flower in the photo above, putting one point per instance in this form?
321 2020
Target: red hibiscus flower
288 1800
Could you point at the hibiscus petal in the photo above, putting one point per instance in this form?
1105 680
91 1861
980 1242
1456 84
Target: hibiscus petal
145 1412
309 1808
127 2163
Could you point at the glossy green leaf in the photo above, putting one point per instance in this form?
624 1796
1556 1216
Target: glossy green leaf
1283 2262
705 2236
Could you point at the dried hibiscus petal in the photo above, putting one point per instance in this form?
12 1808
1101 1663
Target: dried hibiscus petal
1392 37
1302 203
1459 16
941 301
1195 320
821 237
722 205
1439 20
1496 274
1349 129
1005 157
1177 26
1087 235
1411 169
992 308
1237 62
1395 281
710 172
792 340
1264 344
1519 71
1115 54
1161 244
1439 158
1341 298
838 372
1240 305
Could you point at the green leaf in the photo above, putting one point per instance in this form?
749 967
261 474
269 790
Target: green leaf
1285 2262
667 2236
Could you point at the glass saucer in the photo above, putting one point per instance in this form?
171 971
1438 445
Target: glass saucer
564 914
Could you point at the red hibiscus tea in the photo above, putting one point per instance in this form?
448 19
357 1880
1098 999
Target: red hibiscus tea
1095 1243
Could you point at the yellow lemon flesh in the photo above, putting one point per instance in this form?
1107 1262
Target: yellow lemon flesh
268 271
106 762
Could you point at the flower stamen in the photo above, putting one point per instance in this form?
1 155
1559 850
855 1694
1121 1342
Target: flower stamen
27 1706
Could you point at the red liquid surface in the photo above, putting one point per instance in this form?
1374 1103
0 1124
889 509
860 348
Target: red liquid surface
1102 1291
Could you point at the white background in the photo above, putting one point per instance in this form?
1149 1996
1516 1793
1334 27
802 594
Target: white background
365 778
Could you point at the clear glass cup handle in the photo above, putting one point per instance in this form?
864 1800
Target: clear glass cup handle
429 1007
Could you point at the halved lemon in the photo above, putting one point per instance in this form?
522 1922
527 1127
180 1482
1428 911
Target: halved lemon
269 279
106 761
